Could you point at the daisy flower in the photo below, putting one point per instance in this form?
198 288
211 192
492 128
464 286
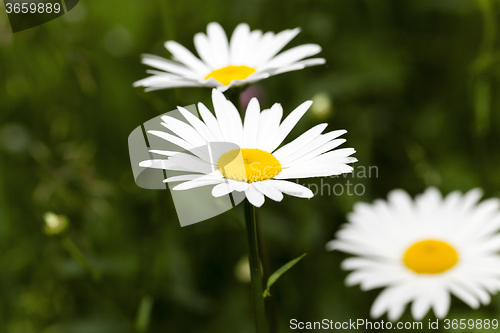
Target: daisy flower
423 250
248 57
243 156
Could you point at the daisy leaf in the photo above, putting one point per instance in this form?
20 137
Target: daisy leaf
282 270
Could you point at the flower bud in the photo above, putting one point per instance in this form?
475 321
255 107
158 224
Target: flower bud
54 224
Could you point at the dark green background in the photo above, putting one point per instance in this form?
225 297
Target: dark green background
415 83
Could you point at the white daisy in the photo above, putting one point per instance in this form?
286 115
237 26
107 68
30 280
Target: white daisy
423 250
244 157
250 56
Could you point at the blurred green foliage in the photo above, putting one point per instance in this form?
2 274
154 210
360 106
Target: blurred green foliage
415 83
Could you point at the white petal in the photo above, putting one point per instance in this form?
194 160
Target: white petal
288 124
157 82
401 201
168 66
228 121
269 191
182 178
221 189
470 199
269 123
262 49
291 188
204 50
477 290
386 299
162 164
171 76
219 44
331 161
156 164
321 154
396 310
292 55
191 163
186 57
252 46
324 170
255 197
299 142
279 42
238 186
421 305
206 179
311 146
492 245
442 302
239 40
173 139
464 295
370 280
184 131
299 65
257 76
194 184
210 121
331 157
316 171
163 152
237 125
200 126
251 127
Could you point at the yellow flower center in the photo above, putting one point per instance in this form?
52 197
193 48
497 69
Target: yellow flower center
248 165
229 73
430 257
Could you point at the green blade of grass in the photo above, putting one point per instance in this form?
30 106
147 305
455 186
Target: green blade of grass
282 270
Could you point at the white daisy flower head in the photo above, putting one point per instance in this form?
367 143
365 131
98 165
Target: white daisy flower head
243 156
423 250
248 57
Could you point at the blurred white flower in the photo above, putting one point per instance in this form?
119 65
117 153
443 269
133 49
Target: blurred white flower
322 105
242 270
15 138
54 224
246 158
248 57
423 250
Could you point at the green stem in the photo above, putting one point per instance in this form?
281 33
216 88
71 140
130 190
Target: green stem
97 281
79 257
255 268
4 216
481 68
271 308
487 8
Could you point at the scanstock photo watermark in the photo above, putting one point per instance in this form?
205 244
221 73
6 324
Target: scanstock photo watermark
345 184
26 14
368 325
